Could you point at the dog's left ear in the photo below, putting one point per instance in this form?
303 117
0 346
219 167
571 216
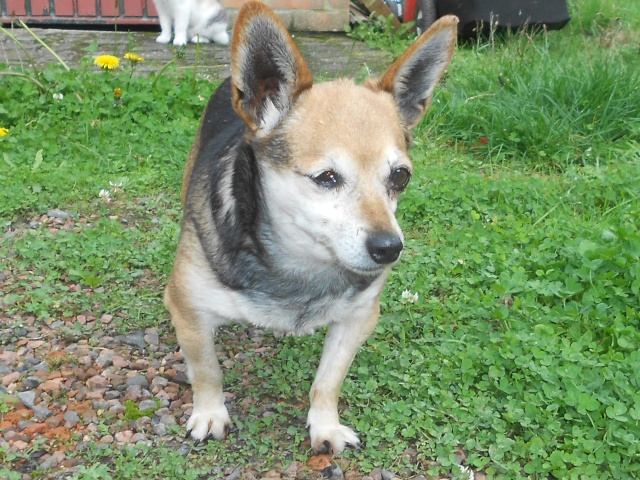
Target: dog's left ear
412 77
268 72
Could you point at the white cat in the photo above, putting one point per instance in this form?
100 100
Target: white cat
195 20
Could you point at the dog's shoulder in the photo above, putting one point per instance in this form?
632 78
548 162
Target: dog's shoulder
221 129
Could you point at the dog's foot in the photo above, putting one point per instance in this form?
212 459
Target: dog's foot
333 439
163 38
208 423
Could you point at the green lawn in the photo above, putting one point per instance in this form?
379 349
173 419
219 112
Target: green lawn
522 351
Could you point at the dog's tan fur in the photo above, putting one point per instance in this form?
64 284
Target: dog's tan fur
296 252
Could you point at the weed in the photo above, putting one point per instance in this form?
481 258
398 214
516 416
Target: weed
54 363
379 32
132 410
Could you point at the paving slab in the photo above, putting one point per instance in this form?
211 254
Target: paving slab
328 55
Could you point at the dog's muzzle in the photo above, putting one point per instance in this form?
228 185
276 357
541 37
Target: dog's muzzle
384 247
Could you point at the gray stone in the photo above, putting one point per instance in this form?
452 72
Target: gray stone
152 337
105 358
28 398
168 420
138 380
31 382
387 475
135 339
40 411
71 418
147 404
58 214
235 475
160 429
333 472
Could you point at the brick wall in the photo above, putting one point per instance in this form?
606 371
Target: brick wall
297 15
304 15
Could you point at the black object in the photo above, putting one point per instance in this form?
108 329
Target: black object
480 17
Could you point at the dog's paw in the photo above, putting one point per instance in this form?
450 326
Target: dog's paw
208 423
164 39
333 438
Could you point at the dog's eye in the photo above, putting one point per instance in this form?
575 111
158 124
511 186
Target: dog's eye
399 178
328 179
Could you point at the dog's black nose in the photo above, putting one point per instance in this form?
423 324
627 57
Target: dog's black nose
384 247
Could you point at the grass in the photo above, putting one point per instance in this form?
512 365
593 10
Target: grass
522 349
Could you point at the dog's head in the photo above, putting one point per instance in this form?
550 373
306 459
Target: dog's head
333 155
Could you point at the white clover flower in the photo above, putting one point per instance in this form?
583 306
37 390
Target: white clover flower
58 96
105 195
466 469
409 297
115 184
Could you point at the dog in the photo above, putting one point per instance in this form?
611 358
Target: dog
289 196
200 21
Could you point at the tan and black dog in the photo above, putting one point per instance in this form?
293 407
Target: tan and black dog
289 199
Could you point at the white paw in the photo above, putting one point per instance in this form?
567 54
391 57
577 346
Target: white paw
179 41
163 38
221 38
208 422
200 39
330 436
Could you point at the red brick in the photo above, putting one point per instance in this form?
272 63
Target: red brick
40 7
16 7
151 9
134 8
109 8
64 8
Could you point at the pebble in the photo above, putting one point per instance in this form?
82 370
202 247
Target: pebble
41 412
58 214
138 380
133 339
71 418
84 398
235 475
105 358
31 382
10 378
28 398
147 404
152 337
50 461
124 436
333 472
388 475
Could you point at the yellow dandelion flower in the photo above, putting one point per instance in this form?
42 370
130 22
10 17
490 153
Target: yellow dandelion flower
4 131
108 62
117 93
133 57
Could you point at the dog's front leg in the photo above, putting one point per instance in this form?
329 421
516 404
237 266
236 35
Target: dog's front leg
340 347
196 338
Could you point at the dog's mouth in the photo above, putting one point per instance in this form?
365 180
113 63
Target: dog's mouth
373 270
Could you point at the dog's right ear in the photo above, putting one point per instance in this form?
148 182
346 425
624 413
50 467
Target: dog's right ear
268 72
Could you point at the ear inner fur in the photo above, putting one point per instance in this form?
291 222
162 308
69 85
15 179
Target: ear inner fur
267 79
412 78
